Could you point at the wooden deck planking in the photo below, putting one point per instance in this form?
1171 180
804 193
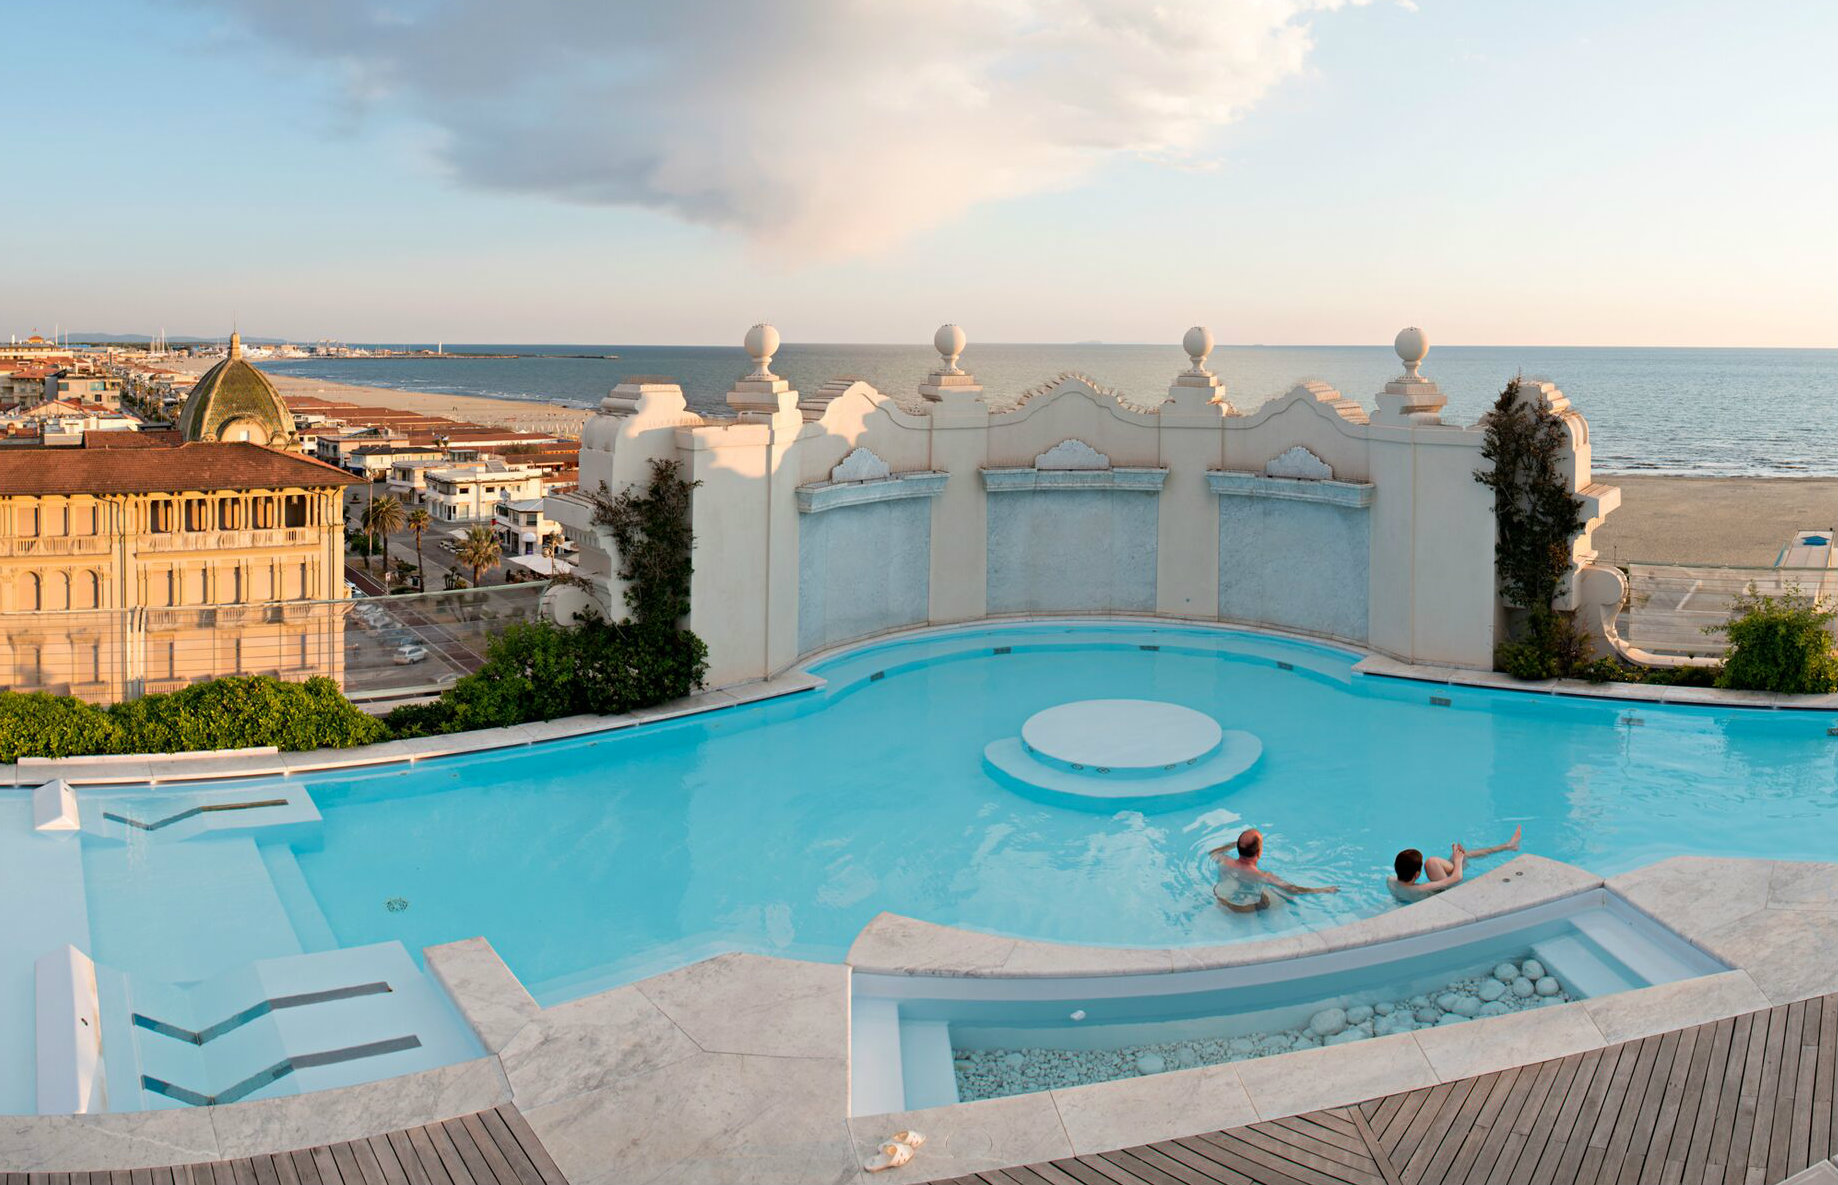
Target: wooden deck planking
1751 1099
493 1147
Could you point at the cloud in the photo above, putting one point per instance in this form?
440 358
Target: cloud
810 126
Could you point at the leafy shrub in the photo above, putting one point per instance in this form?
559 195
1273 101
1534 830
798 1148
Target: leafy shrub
540 671
43 725
1550 647
1779 643
242 711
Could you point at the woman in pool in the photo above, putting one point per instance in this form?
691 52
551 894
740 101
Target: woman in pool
1244 887
1440 874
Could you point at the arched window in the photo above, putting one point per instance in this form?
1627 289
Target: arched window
89 591
34 592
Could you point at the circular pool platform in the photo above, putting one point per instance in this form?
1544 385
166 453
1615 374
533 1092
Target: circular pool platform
1112 752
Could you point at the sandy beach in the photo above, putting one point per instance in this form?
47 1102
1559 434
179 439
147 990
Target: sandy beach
519 415
1743 521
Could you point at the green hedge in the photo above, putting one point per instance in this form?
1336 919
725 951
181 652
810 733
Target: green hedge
540 671
231 713
245 711
43 725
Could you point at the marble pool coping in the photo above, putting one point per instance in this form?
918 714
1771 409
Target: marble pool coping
1386 667
737 1067
895 945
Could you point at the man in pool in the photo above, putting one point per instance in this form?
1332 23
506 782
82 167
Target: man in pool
1244 887
1439 874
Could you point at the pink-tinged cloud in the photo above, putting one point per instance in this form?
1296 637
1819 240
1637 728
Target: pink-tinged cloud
822 127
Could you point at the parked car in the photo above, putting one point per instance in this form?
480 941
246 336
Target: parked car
410 652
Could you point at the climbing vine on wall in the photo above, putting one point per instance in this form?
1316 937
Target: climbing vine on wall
650 527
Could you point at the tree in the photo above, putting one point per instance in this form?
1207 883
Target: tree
479 551
419 520
1536 515
380 518
1536 521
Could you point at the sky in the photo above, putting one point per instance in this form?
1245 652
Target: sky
1500 172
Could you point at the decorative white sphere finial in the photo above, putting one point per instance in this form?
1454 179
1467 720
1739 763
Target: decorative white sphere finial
949 342
1412 345
1198 342
762 343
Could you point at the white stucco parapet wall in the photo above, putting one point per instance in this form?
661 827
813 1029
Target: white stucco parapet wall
1307 514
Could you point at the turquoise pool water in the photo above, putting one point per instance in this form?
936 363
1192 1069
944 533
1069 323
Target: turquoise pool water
784 827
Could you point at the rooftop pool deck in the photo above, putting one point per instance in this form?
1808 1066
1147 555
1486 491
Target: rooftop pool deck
787 826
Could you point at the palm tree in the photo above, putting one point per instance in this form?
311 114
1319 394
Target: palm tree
478 551
380 518
420 520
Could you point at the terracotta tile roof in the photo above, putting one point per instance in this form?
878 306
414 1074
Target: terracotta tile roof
145 438
194 466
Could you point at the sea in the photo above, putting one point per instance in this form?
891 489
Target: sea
1704 412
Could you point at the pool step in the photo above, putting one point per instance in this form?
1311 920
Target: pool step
875 1084
297 900
285 1026
1581 967
1648 961
278 812
183 912
925 1064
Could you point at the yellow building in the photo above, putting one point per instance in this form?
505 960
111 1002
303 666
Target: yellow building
136 565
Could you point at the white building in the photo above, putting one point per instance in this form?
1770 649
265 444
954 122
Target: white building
523 529
470 493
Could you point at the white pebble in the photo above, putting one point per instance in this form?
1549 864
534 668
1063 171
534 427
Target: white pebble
1150 1063
1494 1008
1466 1006
1533 970
1446 1001
1327 1022
1451 1018
1359 1014
1345 1036
1522 986
1547 986
1492 990
1383 1008
1428 1016
1506 972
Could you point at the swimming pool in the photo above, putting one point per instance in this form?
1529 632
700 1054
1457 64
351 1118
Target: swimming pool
784 827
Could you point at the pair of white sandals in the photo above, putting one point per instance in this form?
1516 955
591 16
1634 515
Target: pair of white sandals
895 1151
